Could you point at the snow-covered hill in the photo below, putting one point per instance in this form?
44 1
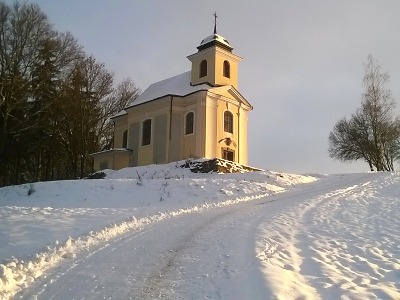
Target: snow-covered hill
337 236
44 222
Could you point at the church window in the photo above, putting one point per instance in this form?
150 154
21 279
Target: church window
228 121
228 155
203 68
227 69
125 139
189 123
146 132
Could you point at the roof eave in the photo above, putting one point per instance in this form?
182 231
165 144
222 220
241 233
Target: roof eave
167 95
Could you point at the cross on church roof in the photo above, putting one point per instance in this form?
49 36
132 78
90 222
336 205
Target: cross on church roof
215 22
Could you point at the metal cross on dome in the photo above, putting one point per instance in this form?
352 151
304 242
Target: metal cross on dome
215 22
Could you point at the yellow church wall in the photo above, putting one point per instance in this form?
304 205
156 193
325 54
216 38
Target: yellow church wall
238 138
210 128
179 146
208 139
184 146
120 125
215 58
150 110
224 105
112 159
220 57
103 161
145 155
243 136
196 59
175 143
201 125
189 146
213 127
121 159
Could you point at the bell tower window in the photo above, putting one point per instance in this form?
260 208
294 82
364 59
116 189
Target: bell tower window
203 68
227 69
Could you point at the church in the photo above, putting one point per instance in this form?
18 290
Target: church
197 114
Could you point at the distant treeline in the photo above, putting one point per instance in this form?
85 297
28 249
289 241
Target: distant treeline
55 101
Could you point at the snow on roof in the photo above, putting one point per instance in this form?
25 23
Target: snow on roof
217 38
121 113
110 150
178 85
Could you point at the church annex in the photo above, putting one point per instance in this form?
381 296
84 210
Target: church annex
196 114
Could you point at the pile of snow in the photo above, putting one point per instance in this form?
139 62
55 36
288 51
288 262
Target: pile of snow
45 222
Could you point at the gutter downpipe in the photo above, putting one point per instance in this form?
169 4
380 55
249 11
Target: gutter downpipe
170 129
239 147
113 146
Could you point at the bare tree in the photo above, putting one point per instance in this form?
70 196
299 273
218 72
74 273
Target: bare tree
55 102
123 96
80 112
372 133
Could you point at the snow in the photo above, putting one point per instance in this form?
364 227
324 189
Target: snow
215 37
119 114
311 237
342 242
178 85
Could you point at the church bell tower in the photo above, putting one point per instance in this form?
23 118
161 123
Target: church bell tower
214 63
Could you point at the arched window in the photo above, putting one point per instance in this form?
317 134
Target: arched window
228 121
125 139
227 69
189 123
146 132
203 68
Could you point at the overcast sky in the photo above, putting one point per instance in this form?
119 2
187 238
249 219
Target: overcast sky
303 61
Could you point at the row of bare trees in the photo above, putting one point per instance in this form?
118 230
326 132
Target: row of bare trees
372 133
55 101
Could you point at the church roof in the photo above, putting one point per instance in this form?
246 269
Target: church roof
177 86
215 39
121 113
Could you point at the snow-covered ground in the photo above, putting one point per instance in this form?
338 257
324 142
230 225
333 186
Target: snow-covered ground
337 236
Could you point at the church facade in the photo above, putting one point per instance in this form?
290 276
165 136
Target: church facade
197 114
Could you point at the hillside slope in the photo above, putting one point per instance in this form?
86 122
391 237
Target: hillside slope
336 236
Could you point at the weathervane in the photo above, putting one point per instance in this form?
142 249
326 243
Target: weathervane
215 22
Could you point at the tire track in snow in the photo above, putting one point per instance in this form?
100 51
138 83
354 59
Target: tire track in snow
161 263
159 283
214 259
331 243
54 256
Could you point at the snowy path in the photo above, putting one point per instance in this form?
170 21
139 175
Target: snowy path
342 243
299 237
207 255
